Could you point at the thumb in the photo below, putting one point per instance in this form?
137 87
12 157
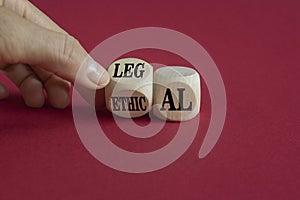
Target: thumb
59 53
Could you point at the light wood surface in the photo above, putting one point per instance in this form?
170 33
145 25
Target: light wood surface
129 93
176 93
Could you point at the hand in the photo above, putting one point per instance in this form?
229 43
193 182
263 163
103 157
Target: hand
36 54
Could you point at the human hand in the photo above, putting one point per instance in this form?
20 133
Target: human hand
36 54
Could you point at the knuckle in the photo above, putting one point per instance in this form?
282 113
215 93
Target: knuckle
67 49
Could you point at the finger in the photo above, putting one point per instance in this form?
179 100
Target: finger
3 91
32 92
58 90
30 86
29 43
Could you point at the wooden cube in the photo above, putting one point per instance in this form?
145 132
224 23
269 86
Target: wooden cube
129 93
176 93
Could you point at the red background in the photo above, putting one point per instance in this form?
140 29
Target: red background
256 46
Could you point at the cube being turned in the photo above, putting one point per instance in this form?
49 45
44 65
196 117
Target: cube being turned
129 93
177 93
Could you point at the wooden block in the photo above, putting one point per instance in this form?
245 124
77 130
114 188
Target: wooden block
176 93
129 93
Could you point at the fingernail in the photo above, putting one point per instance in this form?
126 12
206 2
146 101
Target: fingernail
98 75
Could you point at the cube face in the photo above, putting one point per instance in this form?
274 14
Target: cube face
176 93
175 102
130 70
129 104
129 93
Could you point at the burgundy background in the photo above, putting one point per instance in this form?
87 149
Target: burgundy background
256 47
